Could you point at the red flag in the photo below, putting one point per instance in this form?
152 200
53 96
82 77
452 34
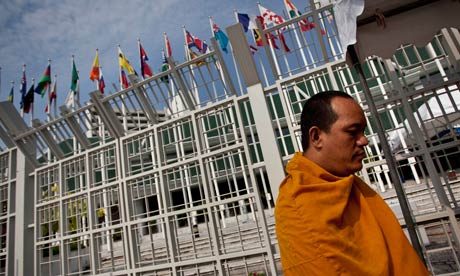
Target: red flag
283 41
168 46
145 68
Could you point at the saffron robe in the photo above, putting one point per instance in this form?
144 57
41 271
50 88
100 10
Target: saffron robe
329 225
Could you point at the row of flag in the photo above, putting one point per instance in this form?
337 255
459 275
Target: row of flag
249 22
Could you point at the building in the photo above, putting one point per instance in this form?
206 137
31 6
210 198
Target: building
190 190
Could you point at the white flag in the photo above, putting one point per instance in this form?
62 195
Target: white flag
70 100
346 12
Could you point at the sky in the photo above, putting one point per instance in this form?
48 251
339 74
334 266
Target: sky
33 31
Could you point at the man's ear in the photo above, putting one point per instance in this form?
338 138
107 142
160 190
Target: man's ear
315 137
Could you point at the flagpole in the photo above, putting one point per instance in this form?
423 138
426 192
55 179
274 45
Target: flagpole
188 57
140 55
174 98
272 50
78 90
55 100
23 88
211 23
71 91
48 115
98 87
297 37
101 128
279 35
32 106
123 108
233 57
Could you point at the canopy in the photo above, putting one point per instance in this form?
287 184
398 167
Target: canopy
385 25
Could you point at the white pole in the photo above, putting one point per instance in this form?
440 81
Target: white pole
32 105
272 51
123 108
48 115
55 100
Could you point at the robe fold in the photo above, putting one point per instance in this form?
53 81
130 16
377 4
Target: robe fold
329 225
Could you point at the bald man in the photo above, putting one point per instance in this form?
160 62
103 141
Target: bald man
328 221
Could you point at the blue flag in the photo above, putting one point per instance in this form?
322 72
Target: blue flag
220 36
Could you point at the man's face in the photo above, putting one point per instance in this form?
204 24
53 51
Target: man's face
343 146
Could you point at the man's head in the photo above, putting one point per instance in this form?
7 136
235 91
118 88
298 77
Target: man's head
332 126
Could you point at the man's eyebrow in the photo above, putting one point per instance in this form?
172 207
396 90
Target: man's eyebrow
357 125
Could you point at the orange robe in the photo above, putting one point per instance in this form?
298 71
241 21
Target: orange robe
329 225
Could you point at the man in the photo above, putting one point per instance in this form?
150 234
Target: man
328 221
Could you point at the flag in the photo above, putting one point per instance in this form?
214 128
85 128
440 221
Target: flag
145 68
346 13
293 12
53 96
248 21
28 99
101 82
164 68
258 38
220 36
124 63
189 40
124 80
70 99
11 95
94 75
193 41
168 46
253 49
23 87
283 41
271 17
193 55
201 45
44 82
75 78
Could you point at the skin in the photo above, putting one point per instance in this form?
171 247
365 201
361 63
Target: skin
340 151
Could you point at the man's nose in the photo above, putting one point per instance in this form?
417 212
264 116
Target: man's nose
363 141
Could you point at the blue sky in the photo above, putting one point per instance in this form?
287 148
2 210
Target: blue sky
34 31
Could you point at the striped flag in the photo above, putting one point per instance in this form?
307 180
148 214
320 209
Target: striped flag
44 82
94 75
